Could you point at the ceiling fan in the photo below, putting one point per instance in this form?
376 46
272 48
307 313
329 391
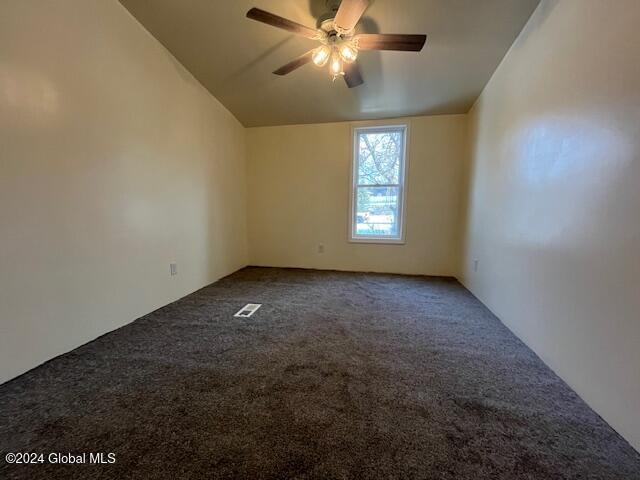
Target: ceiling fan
339 42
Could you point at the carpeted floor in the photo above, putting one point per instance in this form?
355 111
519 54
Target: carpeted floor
338 375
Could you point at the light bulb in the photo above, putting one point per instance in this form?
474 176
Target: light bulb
336 66
348 52
321 55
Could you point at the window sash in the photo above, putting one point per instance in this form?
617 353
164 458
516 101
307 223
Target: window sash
378 238
381 185
371 237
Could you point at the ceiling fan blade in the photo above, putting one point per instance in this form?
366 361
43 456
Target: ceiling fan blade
390 41
293 64
280 22
352 75
349 13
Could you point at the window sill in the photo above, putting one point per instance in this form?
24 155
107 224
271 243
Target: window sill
382 240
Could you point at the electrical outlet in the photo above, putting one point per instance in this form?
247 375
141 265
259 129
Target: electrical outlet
173 268
321 248
475 265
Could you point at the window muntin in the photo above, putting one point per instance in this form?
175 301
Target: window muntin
378 184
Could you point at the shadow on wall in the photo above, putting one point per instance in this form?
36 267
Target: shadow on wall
265 54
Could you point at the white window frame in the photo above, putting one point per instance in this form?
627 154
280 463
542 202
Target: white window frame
402 194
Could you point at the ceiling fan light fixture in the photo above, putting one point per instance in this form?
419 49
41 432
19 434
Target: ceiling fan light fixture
336 66
348 52
340 44
321 55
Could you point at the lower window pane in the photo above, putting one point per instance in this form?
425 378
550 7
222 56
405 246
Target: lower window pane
377 211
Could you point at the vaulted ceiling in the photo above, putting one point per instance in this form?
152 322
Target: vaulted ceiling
233 57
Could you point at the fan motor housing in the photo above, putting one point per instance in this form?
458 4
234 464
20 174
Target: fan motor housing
327 26
333 35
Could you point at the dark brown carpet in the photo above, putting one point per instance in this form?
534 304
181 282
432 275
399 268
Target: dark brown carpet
338 375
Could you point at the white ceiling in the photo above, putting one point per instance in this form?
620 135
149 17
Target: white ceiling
233 56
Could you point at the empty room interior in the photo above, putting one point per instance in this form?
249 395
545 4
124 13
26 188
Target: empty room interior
320 239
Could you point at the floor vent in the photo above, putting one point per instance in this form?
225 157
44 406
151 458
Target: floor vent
248 310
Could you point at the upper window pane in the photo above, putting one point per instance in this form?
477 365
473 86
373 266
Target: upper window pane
379 155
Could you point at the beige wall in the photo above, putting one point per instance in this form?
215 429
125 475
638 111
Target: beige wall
114 162
554 217
299 192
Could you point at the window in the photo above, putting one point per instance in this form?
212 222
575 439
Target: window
377 192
